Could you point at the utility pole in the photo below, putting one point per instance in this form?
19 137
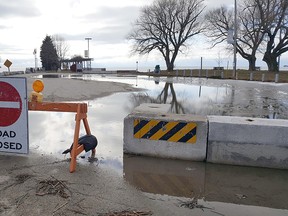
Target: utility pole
235 39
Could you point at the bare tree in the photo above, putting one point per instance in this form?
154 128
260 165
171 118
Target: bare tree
61 46
165 26
221 20
250 32
218 23
274 16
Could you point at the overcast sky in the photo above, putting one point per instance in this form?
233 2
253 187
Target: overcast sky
25 23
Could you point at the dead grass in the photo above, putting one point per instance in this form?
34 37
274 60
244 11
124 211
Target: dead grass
52 186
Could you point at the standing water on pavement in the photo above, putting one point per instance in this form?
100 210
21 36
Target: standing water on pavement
221 189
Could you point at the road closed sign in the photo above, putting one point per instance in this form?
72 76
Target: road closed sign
13 115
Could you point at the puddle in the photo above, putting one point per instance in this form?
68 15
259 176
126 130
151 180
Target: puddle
244 187
52 132
210 183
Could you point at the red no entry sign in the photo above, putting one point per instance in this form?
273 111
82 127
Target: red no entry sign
10 104
13 115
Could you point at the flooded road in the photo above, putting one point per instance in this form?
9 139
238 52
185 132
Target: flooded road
209 96
223 188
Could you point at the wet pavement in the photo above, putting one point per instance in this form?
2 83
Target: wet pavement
222 188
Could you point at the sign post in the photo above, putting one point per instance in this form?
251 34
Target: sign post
13 115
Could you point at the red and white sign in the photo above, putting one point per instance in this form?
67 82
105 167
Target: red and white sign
13 115
10 104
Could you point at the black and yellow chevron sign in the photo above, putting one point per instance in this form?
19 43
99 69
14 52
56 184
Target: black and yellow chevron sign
171 131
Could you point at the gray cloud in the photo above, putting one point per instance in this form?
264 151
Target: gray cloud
117 22
114 15
8 49
18 8
106 35
111 34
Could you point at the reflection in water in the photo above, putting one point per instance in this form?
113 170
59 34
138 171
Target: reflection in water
162 98
211 182
176 107
182 98
222 100
170 177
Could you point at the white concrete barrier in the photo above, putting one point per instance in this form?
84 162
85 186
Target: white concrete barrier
151 131
248 141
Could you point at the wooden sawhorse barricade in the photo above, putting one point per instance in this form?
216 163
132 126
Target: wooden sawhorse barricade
81 114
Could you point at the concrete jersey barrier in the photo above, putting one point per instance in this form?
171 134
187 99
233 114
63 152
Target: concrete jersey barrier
153 133
248 141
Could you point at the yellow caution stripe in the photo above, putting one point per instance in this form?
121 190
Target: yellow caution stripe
164 130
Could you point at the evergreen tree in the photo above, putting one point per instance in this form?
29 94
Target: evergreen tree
48 55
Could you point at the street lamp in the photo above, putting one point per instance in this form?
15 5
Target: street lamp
136 66
35 55
88 39
88 53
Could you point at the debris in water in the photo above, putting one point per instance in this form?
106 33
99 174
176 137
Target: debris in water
52 186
